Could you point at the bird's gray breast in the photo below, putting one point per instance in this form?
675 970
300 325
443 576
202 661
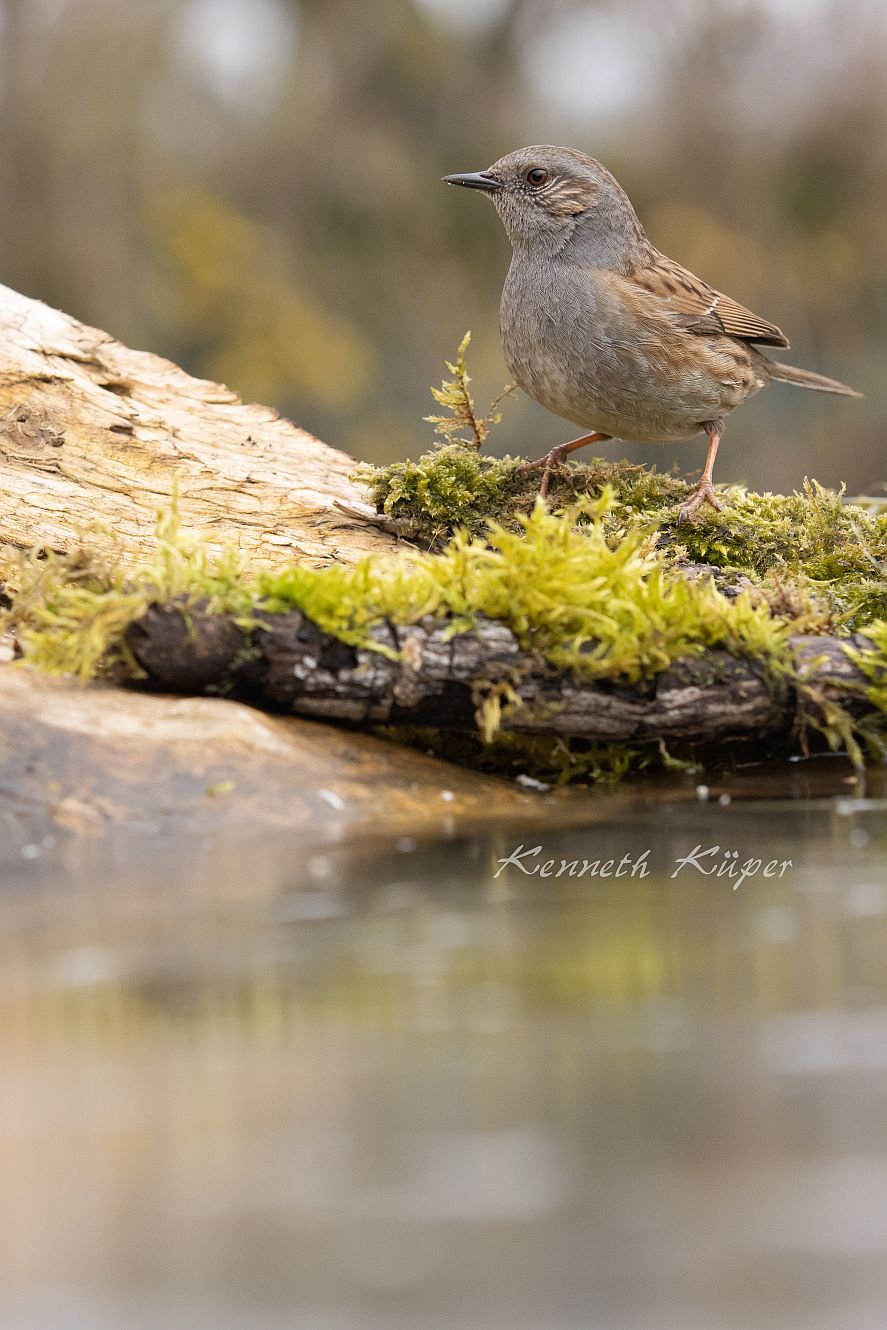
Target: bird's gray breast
548 323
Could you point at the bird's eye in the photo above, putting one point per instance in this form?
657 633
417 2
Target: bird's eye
537 176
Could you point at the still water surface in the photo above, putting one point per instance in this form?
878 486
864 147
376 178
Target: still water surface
380 1087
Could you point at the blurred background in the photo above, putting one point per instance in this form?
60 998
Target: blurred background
251 187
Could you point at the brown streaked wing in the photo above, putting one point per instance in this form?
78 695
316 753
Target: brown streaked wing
701 309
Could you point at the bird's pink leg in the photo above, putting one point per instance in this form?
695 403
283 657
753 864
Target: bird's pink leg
704 491
557 455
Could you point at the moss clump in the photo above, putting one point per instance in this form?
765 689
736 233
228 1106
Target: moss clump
833 550
454 488
826 550
450 489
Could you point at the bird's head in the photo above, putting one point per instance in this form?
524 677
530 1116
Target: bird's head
549 197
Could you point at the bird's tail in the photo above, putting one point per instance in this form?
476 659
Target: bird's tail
805 379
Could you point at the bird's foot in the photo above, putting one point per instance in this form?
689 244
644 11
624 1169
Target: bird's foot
546 465
703 493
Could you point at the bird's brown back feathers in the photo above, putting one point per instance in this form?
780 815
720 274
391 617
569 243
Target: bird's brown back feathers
701 309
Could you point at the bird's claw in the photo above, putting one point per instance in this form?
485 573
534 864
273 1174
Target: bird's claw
703 493
546 465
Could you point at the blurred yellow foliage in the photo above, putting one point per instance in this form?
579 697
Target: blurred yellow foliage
232 290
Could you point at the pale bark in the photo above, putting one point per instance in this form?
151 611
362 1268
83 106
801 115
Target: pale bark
94 436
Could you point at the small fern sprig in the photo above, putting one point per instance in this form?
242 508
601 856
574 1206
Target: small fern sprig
461 418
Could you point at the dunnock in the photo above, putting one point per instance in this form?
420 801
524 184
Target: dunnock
604 330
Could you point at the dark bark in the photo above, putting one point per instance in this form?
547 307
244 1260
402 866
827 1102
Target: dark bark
287 663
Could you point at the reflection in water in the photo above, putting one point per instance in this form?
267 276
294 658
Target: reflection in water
341 1090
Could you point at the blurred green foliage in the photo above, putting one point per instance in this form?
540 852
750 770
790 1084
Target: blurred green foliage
251 187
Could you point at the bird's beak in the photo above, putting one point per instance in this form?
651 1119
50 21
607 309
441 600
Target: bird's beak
475 180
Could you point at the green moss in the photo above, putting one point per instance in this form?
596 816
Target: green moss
70 612
455 488
833 550
831 553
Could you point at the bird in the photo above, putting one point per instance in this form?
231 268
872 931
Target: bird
607 332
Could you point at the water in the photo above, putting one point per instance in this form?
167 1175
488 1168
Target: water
378 1087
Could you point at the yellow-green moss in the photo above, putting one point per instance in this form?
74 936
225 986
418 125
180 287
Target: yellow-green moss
69 613
583 595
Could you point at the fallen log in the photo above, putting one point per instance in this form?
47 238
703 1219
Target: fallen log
96 437
429 677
